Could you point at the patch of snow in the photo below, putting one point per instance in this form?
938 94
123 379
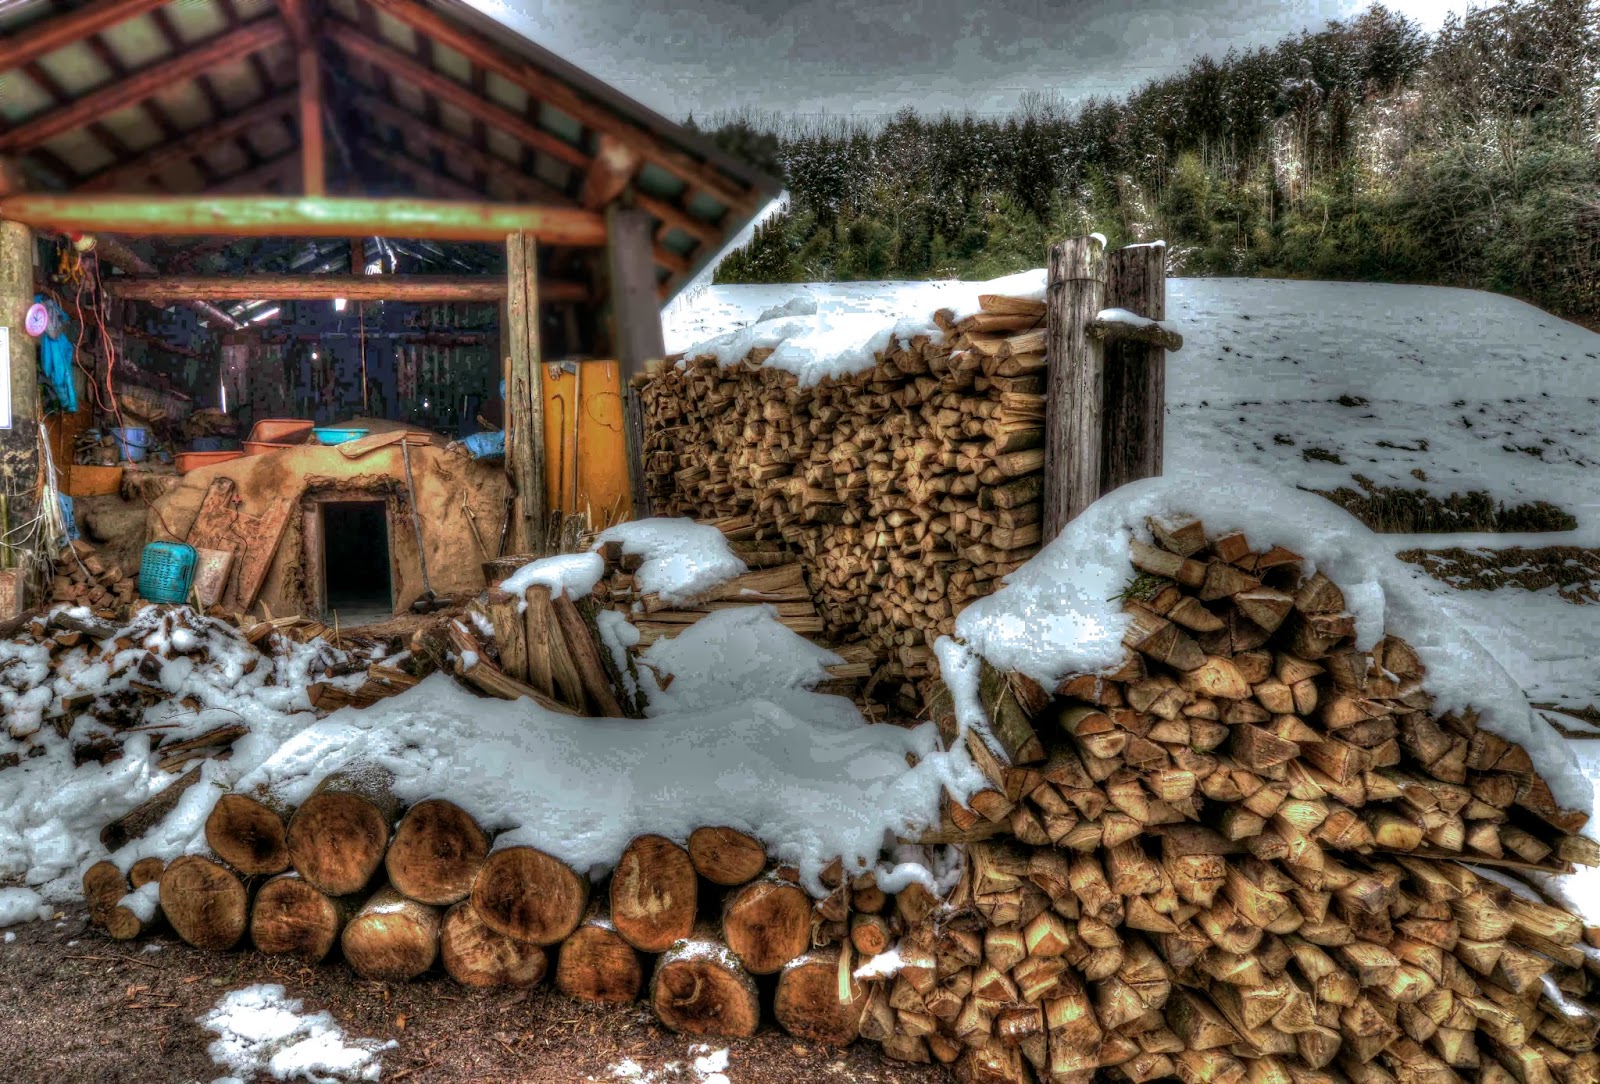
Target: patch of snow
619 634
574 574
10 937
1056 616
143 901
22 905
682 558
1132 319
261 1030
882 966
153 948
1578 891
740 653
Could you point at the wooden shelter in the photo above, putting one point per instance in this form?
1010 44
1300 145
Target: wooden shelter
171 129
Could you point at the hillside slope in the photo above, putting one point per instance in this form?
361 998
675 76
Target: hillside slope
1394 398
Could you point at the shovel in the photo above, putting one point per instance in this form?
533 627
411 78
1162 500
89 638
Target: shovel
429 602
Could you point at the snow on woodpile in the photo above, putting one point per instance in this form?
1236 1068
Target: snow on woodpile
682 558
1059 616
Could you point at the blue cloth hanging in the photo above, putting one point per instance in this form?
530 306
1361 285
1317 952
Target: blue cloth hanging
69 516
486 445
55 358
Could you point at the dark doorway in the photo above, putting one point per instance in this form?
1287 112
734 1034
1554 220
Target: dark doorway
355 560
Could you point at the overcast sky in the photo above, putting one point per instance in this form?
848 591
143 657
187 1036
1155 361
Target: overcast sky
872 58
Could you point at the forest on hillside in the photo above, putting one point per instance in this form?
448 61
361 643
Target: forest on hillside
1368 150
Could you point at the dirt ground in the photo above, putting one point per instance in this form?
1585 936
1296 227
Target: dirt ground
77 1006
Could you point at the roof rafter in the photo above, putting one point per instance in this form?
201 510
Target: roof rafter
545 87
144 83
191 144
356 44
258 175
57 31
419 172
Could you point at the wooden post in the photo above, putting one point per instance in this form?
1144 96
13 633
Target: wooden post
1135 371
524 414
312 166
635 329
19 443
1075 293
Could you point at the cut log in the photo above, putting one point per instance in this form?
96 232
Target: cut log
815 1001
726 856
291 917
146 871
766 924
104 885
338 836
475 955
595 964
248 833
134 824
699 988
391 938
653 893
436 853
527 894
135 914
206 903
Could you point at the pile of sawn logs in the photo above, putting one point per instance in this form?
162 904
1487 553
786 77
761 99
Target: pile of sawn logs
910 488
704 930
1248 855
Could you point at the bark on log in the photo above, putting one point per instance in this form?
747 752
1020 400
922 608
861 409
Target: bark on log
291 917
206 903
436 853
391 938
249 833
139 820
338 836
699 988
653 893
527 894
475 955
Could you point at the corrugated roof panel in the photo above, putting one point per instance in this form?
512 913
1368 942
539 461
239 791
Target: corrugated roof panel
137 42
21 97
655 181
196 19
186 105
554 120
504 146
82 151
76 68
249 9
134 127
703 206
271 140
396 33
549 169
348 10
409 97
452 63
455 120
678 241
226 158
237 84
506 93
182 176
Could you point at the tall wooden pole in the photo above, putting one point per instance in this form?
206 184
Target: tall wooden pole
636 333
524 414
19 442
313 176
1076 292
1135 371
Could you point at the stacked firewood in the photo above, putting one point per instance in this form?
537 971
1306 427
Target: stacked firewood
1252 853
909 489
84 578
696 928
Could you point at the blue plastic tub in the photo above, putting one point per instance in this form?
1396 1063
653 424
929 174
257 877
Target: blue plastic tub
166 572
132 444
338 436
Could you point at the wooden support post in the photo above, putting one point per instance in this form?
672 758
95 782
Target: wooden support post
635 329
313 173
1075 293
524 415
19 443
1135 372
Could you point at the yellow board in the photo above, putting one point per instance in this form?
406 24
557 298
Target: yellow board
586 455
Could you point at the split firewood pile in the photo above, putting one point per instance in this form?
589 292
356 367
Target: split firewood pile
701 930
84 578
910 488
1244 857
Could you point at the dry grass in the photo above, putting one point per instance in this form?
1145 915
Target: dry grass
1393 510
1572 571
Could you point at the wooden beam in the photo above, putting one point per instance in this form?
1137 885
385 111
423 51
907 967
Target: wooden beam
305 216
313 164
524 413
673 216
190 144
167 289
1136 368
636 334
400 66
144 83
419 172
115 254
613 168
55 31
547 88
492 165
1075 291
298 21
258 179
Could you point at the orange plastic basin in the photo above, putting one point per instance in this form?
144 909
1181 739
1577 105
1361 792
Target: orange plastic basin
278 432
188 461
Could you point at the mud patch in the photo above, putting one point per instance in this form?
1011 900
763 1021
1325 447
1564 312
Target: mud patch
1394 510
1573 572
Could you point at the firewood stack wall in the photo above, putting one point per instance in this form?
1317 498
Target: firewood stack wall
908 489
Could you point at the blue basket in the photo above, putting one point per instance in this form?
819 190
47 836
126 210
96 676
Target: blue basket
132 443
338 436
166 572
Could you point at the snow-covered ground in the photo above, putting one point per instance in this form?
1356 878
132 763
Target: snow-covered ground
1472 391
260 1030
